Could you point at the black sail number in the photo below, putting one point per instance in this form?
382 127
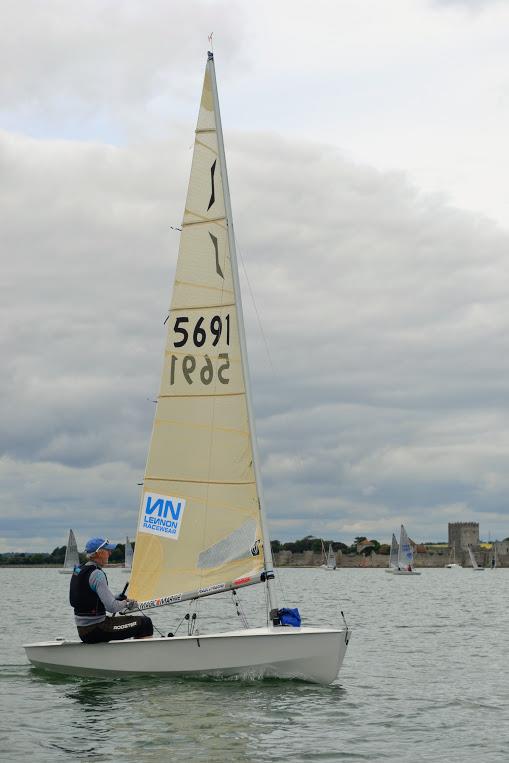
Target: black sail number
199 334
179 330
203 329
201 369
223 367
188 366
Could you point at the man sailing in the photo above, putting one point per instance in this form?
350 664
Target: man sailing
91 598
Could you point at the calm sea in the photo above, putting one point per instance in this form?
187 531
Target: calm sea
425 678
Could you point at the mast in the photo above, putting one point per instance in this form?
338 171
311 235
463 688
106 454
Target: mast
267 551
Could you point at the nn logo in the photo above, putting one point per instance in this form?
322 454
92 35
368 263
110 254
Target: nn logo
162 515
162 506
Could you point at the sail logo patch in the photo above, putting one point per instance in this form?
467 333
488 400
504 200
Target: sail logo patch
162 515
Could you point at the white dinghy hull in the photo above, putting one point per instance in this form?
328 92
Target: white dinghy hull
309 654
405 572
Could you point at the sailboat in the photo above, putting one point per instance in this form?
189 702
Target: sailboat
71 555
494 560
475 566
405 556
128 557
393 557
452 564
330 558
202 529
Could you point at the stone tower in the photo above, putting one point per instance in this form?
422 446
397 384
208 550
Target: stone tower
463 534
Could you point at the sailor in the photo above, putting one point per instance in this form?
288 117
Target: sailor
91 598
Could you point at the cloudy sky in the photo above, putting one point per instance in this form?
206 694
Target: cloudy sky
369 168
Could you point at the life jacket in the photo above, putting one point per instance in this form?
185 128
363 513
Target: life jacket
86 602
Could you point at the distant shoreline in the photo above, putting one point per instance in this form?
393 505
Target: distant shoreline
48 566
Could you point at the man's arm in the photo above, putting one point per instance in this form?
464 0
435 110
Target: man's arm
99 585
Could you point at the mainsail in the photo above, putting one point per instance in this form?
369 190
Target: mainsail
71 553
393 559
200 527
406 554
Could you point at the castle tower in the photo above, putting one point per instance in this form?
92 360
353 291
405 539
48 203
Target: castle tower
463 534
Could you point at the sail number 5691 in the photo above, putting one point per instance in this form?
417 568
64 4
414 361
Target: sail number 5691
200 331
205 373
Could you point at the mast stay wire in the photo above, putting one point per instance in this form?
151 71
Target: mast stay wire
251 293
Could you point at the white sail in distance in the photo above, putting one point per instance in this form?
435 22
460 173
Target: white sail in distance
200 527
393 558
71 553
472 558
128 556
406 554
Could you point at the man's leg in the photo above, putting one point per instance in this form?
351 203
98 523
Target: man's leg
126 626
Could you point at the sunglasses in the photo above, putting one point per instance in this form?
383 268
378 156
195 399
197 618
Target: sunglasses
104 543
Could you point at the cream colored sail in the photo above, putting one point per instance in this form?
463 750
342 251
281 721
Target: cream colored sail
199 528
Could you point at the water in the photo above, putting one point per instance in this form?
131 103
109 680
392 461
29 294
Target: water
424 679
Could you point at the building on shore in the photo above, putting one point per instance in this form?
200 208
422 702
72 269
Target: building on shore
462 535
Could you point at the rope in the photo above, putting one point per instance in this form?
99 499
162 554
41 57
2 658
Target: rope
239 608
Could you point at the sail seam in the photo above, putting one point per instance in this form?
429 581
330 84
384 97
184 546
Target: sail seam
204 145
200 307
205 129
189 424
199 482
200 394
204 221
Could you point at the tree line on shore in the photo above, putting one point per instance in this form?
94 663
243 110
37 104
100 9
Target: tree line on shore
56 557
309 543
361 544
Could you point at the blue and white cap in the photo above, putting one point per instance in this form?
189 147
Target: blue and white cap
94 544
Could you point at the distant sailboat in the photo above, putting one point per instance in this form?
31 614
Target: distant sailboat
71 555
393 557
475 566
494 560
202 528
405 556
452 564
128 558
330 559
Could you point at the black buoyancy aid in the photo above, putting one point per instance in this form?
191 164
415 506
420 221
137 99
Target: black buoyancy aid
86 602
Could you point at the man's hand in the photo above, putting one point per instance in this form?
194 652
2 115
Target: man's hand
130 604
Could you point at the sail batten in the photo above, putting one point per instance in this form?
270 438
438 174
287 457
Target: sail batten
200 526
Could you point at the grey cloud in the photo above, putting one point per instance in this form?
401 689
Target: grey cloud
98 61
384 310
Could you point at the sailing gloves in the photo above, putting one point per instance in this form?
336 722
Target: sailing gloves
130 604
